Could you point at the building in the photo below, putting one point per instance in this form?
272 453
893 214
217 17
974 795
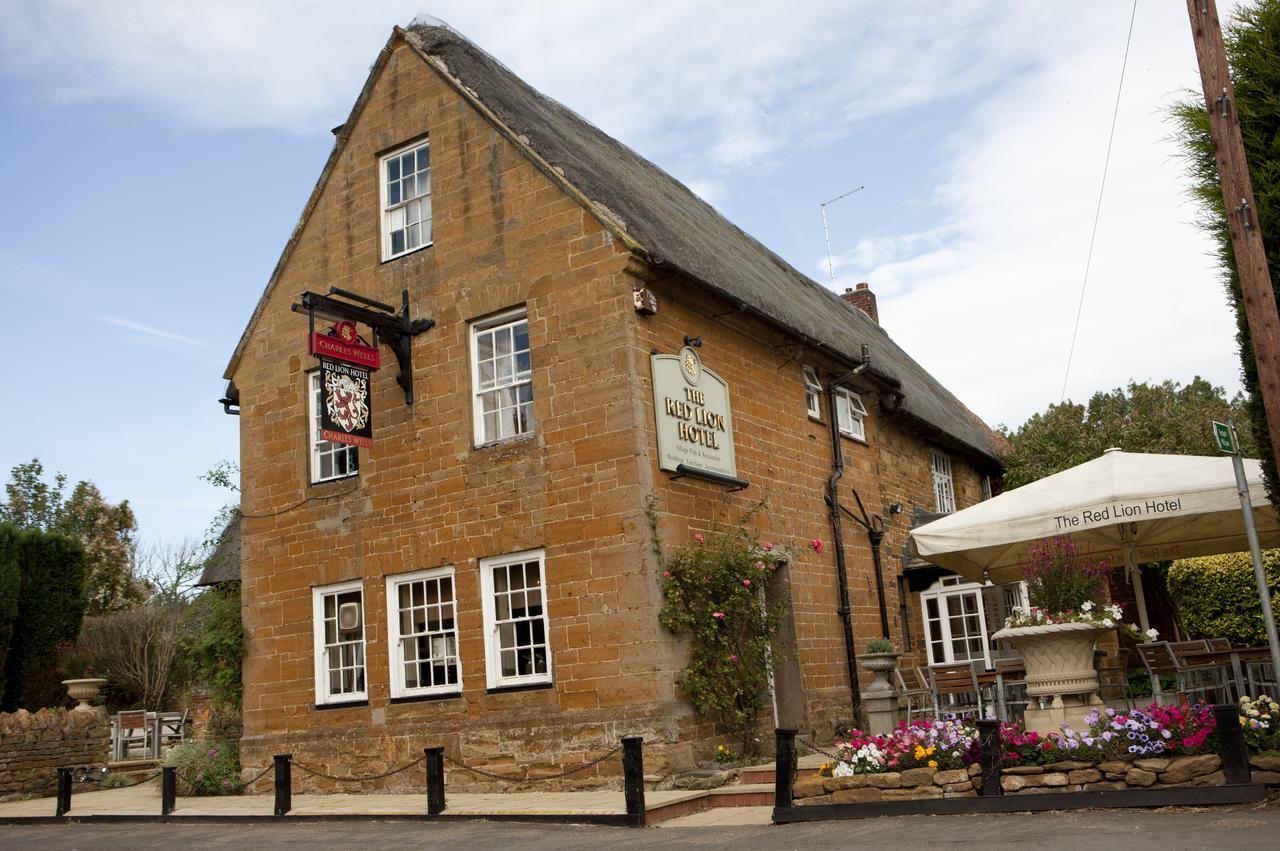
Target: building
482 576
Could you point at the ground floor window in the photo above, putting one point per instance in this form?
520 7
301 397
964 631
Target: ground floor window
517 649
422 618
338 621
959 618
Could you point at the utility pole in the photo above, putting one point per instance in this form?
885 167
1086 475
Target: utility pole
1237 192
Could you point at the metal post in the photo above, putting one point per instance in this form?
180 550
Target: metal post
633 779
64 792
284 783
1231 745
168 788
989 756
1259 572
784 767
435 780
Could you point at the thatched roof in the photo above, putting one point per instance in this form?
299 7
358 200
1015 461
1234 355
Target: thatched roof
223 565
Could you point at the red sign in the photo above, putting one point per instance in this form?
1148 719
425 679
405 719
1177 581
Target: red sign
338 348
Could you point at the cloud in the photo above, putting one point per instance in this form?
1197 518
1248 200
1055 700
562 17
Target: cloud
149 333
987 300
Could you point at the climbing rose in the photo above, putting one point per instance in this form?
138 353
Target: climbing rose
768 547
719 615
746 582
666 574
817 545
733 657
698 537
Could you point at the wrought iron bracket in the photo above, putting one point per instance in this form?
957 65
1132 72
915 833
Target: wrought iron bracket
396 330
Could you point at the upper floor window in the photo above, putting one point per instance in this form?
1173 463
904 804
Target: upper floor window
406 200
338 622
850 414
422 619
986 487
518 651
944 493
502 377
329 460
812 393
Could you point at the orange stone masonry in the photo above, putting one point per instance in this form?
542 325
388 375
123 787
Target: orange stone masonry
506 234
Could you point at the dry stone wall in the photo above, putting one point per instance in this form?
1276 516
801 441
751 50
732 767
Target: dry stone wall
33 745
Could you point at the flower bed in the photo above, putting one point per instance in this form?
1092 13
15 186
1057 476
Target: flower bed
1158 746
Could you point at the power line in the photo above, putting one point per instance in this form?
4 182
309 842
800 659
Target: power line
1097 213
831 269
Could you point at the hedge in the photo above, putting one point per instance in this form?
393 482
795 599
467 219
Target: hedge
1216 596
50 609
10 587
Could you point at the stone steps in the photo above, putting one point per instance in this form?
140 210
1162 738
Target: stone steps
742 795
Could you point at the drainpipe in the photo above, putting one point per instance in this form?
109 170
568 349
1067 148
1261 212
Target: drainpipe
837 536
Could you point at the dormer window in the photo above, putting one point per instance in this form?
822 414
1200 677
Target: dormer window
406 200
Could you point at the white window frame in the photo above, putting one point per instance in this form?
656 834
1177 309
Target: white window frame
812 393
944 491
499 321
851 414
390 211
492 649
942 591
395 639
319 447
318 594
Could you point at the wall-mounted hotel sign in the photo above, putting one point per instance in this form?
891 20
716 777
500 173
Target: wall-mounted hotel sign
345 402
694 420
344 344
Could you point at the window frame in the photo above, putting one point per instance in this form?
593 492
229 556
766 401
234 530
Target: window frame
942 591
944 500
387 211
395 640
492 649
323 696
477 327
851 414
316 445
812 393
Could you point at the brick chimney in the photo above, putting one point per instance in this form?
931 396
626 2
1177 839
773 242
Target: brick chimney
863 299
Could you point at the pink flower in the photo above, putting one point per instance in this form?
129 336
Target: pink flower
733 657
772 568
768 547
817 545
666 574
759 565
698 537
746 582
719 615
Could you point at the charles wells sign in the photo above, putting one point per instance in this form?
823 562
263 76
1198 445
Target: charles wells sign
346 400
693 418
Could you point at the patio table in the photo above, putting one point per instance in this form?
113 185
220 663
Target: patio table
1236 658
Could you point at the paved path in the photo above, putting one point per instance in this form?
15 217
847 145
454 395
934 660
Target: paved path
1236 828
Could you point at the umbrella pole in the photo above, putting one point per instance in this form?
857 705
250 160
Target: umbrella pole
1139 595
1259 572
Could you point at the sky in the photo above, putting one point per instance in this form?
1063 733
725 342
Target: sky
156 157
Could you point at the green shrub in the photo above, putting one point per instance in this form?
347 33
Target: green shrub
207 767
10 587
51 605
1216 596
212 644
879 645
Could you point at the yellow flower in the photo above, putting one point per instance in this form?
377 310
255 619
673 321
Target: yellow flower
933 763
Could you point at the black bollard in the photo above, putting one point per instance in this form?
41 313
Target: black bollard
989 756
784 767
1231 744
633 779
284 783
168 789
64 792
435 781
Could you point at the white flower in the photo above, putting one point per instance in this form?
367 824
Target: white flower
1115 612
1108 623
842 769
1152 635
1086 606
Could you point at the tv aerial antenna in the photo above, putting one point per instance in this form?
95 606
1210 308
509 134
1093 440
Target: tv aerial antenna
826 234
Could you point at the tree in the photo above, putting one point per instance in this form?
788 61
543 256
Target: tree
107 532
1252 43
1166 418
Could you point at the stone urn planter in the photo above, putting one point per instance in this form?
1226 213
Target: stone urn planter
84 691
880 698
1062 685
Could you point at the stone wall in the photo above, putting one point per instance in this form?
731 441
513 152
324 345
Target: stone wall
33 745
915 784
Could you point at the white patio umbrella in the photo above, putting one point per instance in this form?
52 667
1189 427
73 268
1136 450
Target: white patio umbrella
1123 507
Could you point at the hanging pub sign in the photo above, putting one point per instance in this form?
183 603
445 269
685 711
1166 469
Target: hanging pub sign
344 344
345 403
694 422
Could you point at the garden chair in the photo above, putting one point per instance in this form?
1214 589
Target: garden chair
914 690
132 728
1158 659
955 689
1212 679
171 729
1011 688
1218 643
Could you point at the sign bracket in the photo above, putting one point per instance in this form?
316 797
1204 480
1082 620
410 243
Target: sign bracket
396 330
731 483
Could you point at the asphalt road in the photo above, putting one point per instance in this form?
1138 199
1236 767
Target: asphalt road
1235 828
